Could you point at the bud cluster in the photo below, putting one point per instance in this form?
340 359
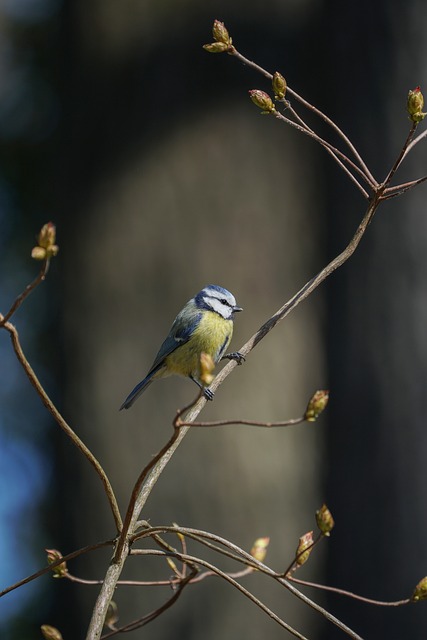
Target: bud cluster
223 41
46 247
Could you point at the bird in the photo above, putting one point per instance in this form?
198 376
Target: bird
204 325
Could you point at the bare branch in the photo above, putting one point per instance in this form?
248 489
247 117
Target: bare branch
343 592
63 424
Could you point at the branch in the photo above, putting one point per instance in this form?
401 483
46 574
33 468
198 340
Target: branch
396 603
63 424
370 178
28 289
52 565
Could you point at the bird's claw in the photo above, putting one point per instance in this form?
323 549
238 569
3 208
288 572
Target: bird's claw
209 395
236 356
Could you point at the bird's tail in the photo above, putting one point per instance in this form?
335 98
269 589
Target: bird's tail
136 392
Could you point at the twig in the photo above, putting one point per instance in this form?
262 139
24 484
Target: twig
51 566
149 617
338 155
398 190
343 592
63 424
28 289
401 155
225 576
233 51
248 560
250 423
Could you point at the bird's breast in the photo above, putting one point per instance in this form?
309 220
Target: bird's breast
212 336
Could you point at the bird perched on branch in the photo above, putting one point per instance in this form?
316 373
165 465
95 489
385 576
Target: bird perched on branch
205 325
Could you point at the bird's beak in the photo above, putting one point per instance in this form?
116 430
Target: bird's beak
237 308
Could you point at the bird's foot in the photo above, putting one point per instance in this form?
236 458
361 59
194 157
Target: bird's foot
209 395
236 356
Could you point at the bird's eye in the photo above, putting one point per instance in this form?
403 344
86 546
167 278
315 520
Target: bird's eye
224 301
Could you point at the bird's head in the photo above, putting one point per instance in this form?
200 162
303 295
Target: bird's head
217 299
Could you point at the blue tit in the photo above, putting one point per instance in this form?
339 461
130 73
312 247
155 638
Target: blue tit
205 325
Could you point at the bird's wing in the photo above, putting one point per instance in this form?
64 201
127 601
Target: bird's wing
180 333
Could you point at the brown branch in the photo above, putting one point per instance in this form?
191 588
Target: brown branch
149 617
339 157
401 155
41 572
245 558
343 592
398 190
28 289
233 51
63 424
250 423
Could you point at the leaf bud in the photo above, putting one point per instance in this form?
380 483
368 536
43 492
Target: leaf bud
220 33
279 86
324 520
304 548
420 591
50 633
259 549
316 405
262 100
46 247
60 570
415 105
216 47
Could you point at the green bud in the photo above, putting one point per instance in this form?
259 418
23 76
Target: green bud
220 33
262 100
324 520
415 105
279 86
216 47
304 548
420 591
50 633
316 405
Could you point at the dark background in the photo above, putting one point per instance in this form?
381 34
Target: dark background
162 177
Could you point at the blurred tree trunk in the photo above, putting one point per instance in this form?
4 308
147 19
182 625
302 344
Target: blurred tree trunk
377 441
173 181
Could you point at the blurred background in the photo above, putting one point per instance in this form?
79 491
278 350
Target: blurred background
162 177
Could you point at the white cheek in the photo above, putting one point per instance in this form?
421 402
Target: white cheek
216 305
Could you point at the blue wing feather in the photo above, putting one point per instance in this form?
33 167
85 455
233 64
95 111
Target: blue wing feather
180 333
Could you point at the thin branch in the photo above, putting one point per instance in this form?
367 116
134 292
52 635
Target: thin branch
51 566
401 155
28 289
398 190
250 423
249 560
234 583
415 141
339 157
233 51
63 424
149 617
137 489
343 592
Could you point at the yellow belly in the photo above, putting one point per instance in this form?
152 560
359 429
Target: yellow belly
212 336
